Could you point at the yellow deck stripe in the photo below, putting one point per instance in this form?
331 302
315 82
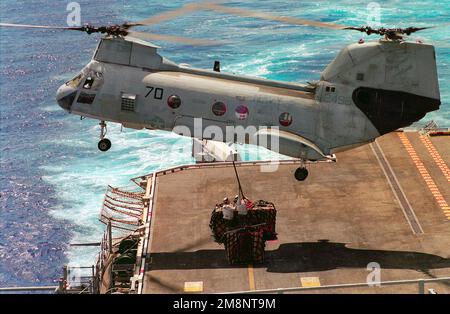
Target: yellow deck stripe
251 278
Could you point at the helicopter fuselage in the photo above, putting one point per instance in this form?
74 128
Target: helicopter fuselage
370 89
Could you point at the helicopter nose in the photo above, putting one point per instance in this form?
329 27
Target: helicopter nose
65 96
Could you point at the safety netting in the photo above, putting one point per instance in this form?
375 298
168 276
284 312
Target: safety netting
123 207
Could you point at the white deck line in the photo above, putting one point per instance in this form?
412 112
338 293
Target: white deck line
414 223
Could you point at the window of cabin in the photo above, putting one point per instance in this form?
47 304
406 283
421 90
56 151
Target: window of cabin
85 98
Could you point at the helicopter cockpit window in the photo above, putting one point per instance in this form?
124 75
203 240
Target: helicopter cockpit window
75 81
93 81
88 82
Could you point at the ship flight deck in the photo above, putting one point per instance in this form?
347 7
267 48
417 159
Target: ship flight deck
385 203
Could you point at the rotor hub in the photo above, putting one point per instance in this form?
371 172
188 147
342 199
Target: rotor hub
388 33
113 30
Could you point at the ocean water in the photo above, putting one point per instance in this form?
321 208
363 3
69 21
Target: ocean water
52 177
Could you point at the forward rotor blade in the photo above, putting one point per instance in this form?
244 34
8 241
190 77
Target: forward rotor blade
266 16
38 26
177 39
190 7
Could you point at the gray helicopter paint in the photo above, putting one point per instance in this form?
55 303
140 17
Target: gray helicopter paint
325 118
401 66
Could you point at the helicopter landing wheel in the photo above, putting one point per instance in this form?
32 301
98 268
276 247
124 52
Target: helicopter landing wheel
104 145
301 174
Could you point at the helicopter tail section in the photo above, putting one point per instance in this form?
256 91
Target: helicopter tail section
394 83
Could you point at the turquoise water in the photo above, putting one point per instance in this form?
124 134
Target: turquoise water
53 177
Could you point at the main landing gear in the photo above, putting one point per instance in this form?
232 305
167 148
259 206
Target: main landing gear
301 173
104 144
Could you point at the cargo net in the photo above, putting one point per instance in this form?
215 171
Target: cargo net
244 231
123 207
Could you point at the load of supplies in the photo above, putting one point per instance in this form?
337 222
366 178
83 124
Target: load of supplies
243 227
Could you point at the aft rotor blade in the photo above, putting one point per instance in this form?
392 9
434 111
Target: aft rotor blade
266 16
38 26
177 39
169 15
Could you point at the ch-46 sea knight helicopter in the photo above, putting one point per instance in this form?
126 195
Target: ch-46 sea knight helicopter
369 89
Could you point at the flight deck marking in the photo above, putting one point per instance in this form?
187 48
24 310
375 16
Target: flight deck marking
436 156
425 175
251 278
193 286
310 281
396 188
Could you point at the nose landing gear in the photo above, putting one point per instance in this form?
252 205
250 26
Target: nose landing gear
104 144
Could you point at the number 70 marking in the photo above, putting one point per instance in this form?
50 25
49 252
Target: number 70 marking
158 94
